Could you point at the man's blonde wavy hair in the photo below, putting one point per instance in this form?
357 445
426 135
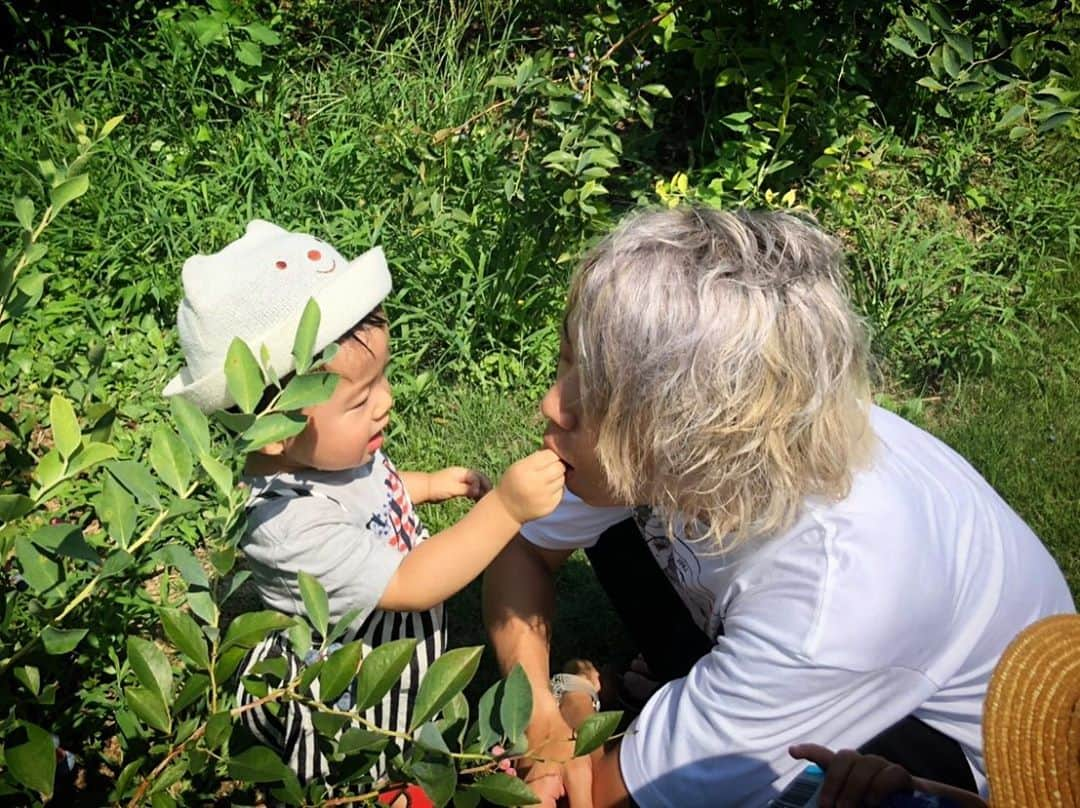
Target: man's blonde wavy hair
722 366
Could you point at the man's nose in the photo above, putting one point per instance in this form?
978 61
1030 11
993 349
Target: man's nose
551 407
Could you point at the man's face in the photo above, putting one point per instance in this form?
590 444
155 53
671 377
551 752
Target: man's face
568 436
345 431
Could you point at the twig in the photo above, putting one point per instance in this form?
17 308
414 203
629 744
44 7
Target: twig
647 24
234 712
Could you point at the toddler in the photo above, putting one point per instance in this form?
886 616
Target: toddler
328 501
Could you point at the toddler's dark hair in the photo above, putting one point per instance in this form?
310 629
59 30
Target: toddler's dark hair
376 318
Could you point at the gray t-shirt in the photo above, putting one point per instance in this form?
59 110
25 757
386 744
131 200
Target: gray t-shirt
350 529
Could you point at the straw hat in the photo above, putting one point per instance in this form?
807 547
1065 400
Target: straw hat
1031 723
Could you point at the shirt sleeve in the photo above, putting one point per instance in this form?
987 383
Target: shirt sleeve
315 535
725 728
572 524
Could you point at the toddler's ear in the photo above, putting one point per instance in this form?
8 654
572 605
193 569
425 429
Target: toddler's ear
272 449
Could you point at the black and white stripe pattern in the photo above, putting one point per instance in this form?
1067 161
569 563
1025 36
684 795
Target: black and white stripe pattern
290 730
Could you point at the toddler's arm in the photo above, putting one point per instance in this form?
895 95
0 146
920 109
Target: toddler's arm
449 560
439 486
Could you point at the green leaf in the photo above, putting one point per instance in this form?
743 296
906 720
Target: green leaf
658 90
341 626
439 781
381 670
34 253
65 426
315 602
517 703
243 376
446 677
272 429
228 662
902 45
940 16
184 633
1056 119
248 630
24 212
115 508
218 729
595 730
116 563
950 60
466 799
192 423
218 472
184 560
109 125
339 670
151 666
30 677
136 478
257 765
304 343
193 688
12 506
502 789
90 455
431 739
965 87
75 546
68 191
260 33
61 640
249 53
233 421
149 706
361 740
930 83
919 28
307 391
962 46
32 763
455 718
487 716
300 638
171 459
39 571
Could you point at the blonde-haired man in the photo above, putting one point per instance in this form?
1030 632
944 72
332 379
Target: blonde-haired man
794 563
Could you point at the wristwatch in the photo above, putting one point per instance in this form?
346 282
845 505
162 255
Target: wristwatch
563 683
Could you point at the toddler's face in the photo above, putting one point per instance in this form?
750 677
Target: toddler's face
345 431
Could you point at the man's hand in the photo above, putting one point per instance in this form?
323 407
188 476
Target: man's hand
852 778
533 486
457 481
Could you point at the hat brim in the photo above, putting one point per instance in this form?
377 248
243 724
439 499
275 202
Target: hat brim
343 301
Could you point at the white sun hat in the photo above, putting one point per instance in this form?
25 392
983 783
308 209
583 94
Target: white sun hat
256 288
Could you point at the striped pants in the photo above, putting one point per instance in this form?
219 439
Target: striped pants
290 731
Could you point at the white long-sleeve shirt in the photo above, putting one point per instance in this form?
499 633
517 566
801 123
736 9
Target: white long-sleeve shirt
897 600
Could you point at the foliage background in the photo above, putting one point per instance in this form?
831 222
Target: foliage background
484 144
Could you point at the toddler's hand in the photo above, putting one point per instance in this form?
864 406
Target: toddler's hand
457 481
533 486
852 778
